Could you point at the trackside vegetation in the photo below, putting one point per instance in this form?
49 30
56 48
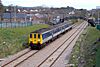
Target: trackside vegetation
86 52
11 39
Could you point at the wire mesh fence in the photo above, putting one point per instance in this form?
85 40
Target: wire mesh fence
14 24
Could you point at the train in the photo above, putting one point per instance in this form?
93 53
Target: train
57 20
39 38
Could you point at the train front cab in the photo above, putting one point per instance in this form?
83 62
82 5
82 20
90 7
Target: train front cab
35 40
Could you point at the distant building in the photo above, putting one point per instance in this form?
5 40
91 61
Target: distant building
22 17
97 7
8 17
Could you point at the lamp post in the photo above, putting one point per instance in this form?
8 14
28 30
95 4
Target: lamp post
15 13
98 17
98 8
10 10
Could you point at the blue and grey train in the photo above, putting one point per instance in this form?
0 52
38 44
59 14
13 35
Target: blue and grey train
39 38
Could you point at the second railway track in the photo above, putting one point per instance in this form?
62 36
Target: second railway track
51 59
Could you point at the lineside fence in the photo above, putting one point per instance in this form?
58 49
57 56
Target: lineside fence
14 24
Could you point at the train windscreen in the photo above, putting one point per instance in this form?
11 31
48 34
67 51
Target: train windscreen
30 35
34 35
39 36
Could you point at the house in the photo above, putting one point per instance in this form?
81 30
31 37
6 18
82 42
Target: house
12 17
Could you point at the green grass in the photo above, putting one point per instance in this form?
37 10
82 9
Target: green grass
85 49
11 39
98 57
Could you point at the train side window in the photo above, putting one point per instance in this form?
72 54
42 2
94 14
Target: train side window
66 26
30 35
34 35
44 36
56 30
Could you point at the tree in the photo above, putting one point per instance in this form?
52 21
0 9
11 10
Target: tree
1 10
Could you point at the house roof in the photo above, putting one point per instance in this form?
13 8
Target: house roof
20 15
12 15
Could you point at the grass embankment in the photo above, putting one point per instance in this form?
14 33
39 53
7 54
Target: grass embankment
98 57
84 52
11 39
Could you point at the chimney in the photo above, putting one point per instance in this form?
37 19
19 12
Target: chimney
0 2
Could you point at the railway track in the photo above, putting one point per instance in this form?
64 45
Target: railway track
43 55
20 58
51 59
26 55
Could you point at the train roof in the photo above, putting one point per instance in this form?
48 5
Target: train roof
46 29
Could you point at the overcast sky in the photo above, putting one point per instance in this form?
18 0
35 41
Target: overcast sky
87 4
